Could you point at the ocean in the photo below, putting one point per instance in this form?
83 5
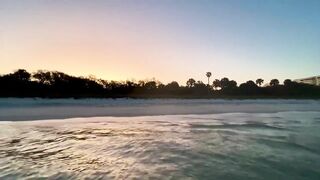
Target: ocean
159 139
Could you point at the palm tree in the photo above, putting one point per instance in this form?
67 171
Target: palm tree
259 81
208 74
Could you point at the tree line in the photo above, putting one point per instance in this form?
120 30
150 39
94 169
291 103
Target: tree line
54 84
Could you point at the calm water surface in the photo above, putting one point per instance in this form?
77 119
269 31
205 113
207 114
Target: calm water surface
277 145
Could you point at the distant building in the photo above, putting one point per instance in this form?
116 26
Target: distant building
315 80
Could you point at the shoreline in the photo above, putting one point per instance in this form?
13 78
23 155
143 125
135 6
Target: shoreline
223 97
40 109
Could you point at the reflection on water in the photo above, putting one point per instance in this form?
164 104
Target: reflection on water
222 146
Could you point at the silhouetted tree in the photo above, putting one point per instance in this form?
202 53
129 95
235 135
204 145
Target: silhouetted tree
58 84
274 82
224 83
249 88
199 84
43 76
216 84
191 82
227 84
173 85
208 74
151 85
104 83
287 82
161 86
141 83
259 81
200 88
232 84
21 75
249 84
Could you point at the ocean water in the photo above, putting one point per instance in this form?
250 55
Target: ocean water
278 143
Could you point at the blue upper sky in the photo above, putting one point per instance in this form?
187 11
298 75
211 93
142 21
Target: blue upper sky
165 39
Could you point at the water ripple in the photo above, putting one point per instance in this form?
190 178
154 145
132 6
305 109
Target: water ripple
222 146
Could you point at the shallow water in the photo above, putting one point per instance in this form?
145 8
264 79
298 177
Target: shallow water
276 145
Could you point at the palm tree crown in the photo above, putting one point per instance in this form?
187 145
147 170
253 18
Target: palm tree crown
208 74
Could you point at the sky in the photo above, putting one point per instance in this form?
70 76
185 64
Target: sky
163 39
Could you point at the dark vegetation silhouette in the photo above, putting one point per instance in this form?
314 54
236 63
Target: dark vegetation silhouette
208 74
259 81
54 84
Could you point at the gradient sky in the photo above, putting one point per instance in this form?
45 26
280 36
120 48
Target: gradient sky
165 39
